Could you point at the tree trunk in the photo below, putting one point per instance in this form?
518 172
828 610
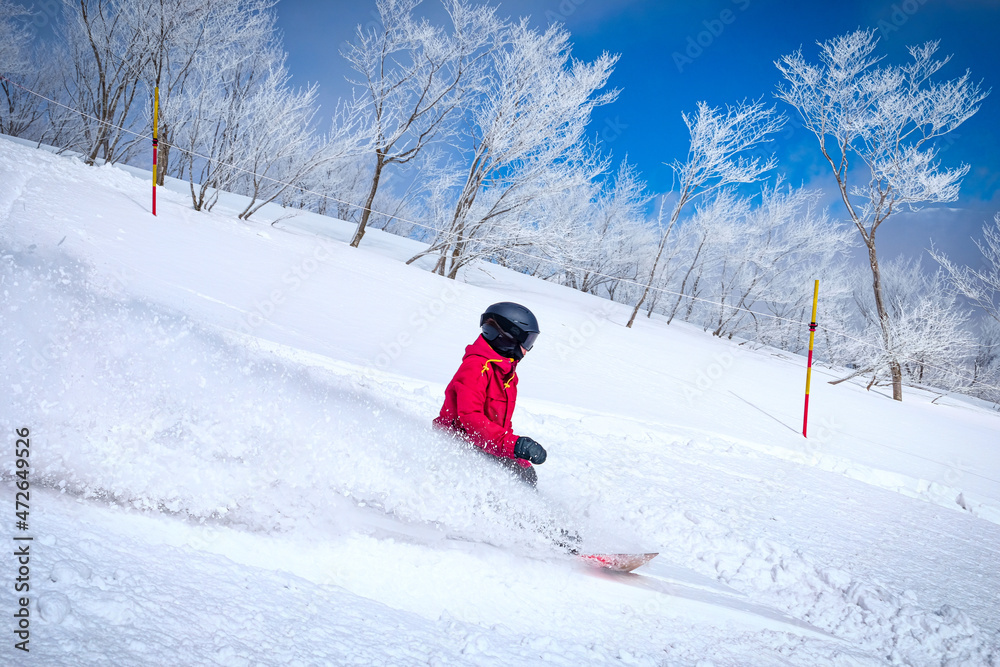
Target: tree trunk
680 296
663 243
441 263
456 254
366 212
91 158
883 315
649 283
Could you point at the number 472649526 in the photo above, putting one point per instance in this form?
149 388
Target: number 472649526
22 451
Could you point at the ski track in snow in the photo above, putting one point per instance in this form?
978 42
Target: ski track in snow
210 497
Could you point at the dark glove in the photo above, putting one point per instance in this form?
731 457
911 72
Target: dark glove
526 448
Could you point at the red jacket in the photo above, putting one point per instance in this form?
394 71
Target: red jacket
479 401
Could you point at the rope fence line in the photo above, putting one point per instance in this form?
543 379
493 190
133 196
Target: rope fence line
441 235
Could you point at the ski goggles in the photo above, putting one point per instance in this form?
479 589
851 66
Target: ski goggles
510 330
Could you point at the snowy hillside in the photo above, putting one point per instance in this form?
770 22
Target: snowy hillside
231 463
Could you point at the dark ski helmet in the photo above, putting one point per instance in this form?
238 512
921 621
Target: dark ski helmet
508 327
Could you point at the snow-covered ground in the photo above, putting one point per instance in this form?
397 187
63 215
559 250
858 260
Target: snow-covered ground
232 463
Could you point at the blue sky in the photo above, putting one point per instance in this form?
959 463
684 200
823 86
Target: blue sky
674 54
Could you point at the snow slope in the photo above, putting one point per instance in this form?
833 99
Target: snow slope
232 463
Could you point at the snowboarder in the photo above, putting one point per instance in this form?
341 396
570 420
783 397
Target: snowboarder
479 400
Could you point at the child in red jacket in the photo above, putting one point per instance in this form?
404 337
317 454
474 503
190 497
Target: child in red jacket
479 400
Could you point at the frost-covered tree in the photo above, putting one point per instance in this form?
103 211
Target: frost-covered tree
19 110
550 233
717 157
526 130
810 246
539 210
980 286
397 210
984 378
105 76
241 127
213 153
225 99
279 148
334 188
118 51
743 266
928 328
700 244
22 114
659 289
614 235
876 126
414 76
14 38
188 36
763 262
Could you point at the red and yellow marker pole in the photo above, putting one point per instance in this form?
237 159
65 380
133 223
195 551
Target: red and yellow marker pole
812 337
156 144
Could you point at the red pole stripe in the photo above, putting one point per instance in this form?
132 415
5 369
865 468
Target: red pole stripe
805 418
155 152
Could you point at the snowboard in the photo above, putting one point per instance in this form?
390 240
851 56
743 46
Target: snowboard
618 562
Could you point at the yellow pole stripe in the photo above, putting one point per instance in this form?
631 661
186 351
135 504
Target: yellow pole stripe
815 299
156 113
812 335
